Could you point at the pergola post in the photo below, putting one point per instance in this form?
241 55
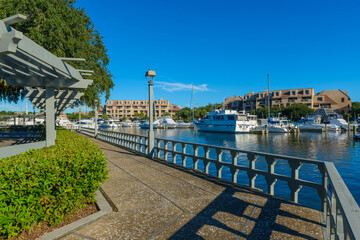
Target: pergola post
50 117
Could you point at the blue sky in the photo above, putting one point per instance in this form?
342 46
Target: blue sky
226 48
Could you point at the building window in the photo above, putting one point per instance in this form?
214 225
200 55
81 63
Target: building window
307 91
262 95
320 99
293 92
342 99
277 93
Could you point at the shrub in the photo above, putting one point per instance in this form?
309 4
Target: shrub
44 184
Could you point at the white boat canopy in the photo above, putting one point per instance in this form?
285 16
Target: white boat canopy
50 83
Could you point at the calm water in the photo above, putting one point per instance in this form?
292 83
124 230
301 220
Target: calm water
339 148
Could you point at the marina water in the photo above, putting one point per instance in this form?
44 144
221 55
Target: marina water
339 148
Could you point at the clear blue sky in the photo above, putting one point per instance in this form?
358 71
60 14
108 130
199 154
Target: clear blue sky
226 48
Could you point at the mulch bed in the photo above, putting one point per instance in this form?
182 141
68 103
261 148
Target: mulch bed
42 228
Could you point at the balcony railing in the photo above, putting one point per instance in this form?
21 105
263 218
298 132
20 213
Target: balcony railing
340 210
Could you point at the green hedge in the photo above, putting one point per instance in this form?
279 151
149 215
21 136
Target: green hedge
43 185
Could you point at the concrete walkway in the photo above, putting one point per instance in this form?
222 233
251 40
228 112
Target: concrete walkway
157 200
16 138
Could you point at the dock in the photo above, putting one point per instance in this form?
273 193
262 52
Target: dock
155 199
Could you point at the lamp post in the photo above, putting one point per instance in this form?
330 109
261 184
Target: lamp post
79 120
96 116
150 75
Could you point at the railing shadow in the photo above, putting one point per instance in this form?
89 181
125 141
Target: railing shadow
240 223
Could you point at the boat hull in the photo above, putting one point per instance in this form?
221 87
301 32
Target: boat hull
221 128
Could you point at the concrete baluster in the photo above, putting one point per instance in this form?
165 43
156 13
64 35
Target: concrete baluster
322 192
293 185
206 161
233 169
174 154
218 164
183 157
270 179
340 224
195 159
251 173
146 145
166 154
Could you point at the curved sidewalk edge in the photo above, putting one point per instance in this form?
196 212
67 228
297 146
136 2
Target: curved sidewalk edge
104 209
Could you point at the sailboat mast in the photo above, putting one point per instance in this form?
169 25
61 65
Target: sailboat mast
268 94
192 98
190 110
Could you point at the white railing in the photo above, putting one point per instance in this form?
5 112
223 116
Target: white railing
341 212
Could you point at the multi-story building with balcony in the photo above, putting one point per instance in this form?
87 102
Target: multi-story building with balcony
131 108
336 100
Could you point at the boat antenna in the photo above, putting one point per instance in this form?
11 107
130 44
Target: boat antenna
268 76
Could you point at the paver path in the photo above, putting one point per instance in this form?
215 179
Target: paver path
157 200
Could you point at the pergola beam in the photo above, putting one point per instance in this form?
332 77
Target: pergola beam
24 63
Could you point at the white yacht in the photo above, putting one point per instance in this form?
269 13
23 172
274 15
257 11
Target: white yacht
126 123
87 123
109 124
313 124
63 122
136 123
276 125
167 122
145 124
182 124
227 121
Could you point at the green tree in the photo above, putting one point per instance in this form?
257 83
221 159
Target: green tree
355 111
65 31
141 115
296 111
105 116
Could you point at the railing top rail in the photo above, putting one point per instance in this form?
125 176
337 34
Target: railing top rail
278 156
347 202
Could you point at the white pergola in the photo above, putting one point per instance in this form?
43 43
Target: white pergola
50 83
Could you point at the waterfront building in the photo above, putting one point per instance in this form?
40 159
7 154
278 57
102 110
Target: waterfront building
336 100
130 108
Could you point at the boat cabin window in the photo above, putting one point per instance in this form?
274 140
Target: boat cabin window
207 117
222 117
241 118
231 117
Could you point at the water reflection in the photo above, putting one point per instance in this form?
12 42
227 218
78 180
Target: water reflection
339 148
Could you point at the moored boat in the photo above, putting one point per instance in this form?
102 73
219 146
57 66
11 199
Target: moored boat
167 122
146 124
227 121
109 124
182 124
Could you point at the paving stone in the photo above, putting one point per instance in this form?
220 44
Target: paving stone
72 237
134 224
179 190
208 186
190 226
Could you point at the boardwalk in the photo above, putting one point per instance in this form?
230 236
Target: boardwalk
157 200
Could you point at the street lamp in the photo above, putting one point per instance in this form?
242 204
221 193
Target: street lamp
96 116
79 128
150 75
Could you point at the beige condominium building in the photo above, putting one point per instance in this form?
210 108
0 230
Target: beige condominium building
130 108
336 100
